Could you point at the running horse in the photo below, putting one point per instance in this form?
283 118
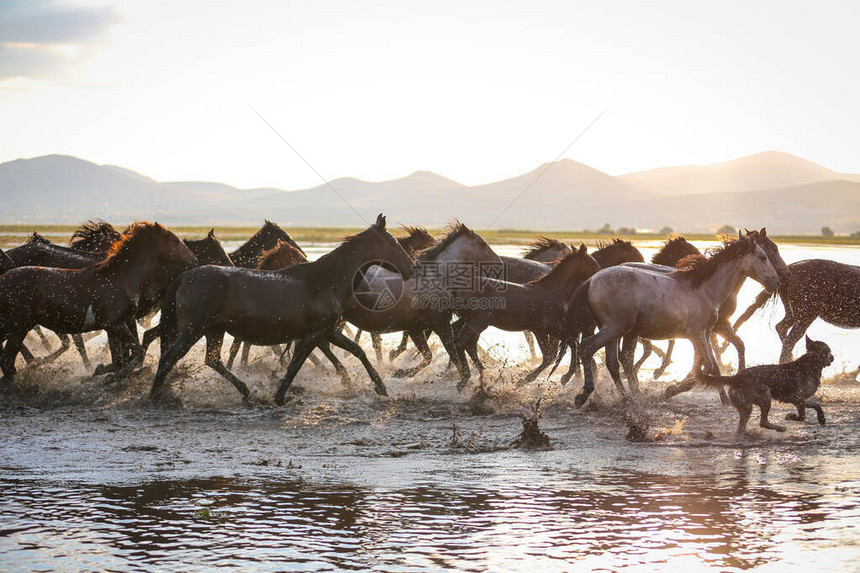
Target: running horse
628 302
302 303
816 288
101 297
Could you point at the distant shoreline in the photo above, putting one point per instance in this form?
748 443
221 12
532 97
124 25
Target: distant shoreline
13 235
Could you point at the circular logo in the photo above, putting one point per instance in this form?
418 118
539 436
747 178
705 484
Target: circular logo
376 288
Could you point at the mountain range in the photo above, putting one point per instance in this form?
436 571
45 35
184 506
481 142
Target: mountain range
784 192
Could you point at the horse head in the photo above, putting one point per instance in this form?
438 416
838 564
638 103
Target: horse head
772 252
756 263
379 244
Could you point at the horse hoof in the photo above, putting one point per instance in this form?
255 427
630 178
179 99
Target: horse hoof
380 389
580 400
462 384
399 373
821 419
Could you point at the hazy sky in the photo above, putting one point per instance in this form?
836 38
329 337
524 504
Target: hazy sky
476 91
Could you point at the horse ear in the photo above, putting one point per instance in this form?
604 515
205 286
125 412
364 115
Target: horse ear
380 221
740 234
211 234
763 232
583 250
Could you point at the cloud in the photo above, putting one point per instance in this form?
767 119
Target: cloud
39 37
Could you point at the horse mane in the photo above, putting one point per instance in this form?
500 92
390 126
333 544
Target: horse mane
415 231
93 230
616 243
673 250
37 238
453 232
133 235
558 266
542 244
280 256
698 268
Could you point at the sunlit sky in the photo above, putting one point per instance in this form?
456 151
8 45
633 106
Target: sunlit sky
475 91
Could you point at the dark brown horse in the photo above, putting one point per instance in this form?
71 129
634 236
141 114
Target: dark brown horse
209 250
816 288
281 256
101 297
248 255
302 303
535 306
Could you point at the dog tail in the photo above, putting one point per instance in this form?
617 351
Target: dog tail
716 382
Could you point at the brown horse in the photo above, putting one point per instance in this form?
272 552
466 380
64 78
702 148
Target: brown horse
248 255
535 306
303 303
816 288
281 256
101 297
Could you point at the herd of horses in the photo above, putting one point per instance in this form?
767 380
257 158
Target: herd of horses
268 293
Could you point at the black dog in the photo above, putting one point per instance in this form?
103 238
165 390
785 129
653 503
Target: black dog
792 383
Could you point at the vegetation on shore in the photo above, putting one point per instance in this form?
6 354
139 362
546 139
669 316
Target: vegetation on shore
11 235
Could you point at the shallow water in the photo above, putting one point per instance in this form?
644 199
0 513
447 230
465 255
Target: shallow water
339 479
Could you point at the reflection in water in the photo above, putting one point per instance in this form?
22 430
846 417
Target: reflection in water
614 519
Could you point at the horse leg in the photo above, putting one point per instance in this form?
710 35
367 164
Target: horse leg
376 340
792 338
65 344
132 348
149 337
214 342
358 333
13 345
45 342
647 348
628 349
725 330
530 342
401 348
548 354
246 352
168 360
702 347
338 339
81 348
304 347
420 340
466 342
587 349
443 330
26 354
667 358
339 368
783 326
234 350
612 365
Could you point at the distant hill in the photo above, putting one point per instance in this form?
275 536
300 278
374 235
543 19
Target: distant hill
767 170
798 197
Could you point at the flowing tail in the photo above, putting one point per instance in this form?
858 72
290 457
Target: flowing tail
762 299
168 327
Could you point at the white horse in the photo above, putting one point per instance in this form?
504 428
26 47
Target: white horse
658 305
